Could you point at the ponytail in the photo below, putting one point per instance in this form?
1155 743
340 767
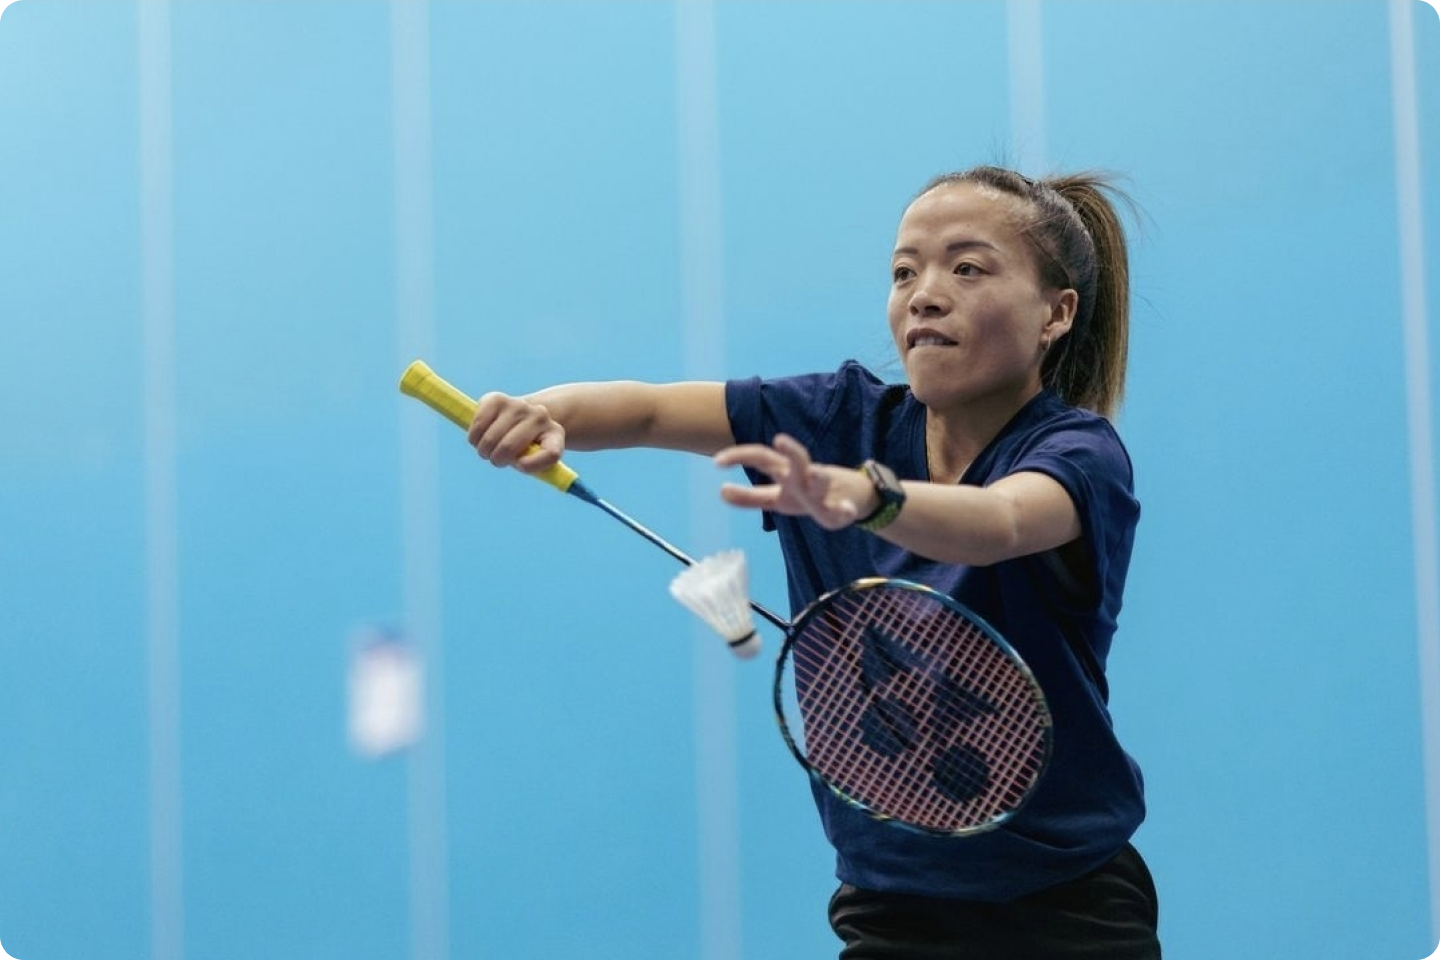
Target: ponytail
1088 368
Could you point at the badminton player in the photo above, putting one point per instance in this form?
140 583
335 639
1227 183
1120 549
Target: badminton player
994 475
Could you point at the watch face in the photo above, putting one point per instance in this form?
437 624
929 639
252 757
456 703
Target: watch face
886 483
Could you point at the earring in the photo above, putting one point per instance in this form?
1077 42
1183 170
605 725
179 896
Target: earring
1045 345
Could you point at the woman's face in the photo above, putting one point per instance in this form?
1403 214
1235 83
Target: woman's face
967 309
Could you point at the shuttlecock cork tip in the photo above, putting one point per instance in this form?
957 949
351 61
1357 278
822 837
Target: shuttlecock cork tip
746 647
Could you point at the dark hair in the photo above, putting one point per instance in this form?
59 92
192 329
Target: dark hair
1079 244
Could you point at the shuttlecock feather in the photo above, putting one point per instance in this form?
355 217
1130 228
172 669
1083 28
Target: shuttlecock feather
717 590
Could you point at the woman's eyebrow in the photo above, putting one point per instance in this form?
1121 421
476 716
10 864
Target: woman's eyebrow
954 246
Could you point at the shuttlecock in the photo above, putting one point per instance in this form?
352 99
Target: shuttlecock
716 589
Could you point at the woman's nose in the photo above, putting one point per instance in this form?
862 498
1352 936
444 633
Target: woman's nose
928 301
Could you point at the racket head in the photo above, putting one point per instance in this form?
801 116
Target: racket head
910 707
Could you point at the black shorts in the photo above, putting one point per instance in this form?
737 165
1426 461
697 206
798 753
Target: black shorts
1110 914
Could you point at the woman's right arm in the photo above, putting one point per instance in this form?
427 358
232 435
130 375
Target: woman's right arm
687 416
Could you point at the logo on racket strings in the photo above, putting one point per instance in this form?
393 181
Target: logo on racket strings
912 703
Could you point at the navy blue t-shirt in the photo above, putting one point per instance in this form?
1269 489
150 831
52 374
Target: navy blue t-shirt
1090 800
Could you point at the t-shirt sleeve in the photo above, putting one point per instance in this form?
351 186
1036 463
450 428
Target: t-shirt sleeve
800 406
805 407
1091 463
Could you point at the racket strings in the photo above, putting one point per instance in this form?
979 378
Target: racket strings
909 709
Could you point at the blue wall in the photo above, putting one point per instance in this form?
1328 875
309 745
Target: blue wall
574 194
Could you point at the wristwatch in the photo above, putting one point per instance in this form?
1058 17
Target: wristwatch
892 496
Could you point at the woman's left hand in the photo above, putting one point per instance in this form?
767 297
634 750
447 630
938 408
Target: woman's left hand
833 497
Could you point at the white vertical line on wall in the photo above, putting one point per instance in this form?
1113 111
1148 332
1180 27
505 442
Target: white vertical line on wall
157 308
703 323
1027 85
1419 407
419 472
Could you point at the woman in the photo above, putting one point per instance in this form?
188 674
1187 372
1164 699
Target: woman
992 476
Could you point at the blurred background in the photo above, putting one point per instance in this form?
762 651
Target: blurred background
225 228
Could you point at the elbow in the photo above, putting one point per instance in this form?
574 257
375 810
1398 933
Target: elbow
970 548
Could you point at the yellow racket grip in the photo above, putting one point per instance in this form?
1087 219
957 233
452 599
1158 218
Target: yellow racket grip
427 386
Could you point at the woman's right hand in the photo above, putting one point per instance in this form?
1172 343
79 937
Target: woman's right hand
514 432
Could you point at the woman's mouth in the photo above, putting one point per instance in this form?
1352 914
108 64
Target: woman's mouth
926 338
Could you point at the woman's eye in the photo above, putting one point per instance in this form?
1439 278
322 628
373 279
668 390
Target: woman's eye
967 269
901 273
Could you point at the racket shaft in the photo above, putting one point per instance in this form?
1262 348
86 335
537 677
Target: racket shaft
427 386
640 528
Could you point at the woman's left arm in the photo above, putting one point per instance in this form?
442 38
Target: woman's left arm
1015 516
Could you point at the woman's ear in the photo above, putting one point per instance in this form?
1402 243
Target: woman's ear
1063 304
